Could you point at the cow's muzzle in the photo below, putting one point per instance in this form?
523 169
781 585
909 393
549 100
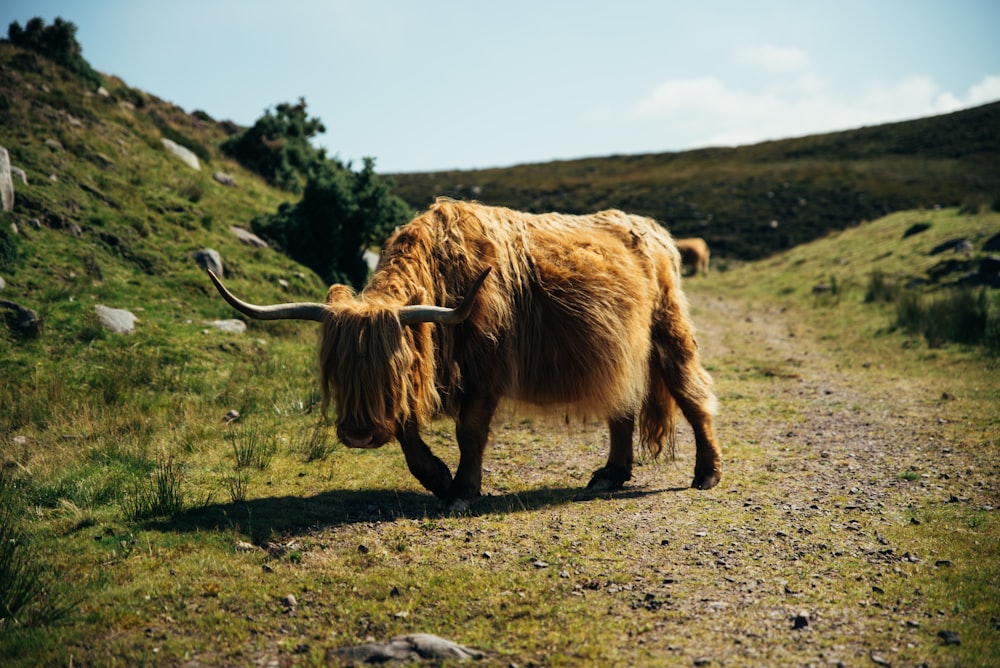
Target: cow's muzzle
364 439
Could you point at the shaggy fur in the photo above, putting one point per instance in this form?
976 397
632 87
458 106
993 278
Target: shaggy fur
694 254
578 310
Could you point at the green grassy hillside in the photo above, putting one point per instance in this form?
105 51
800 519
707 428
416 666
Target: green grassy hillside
109 216
751 201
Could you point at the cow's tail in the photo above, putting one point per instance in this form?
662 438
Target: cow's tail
656 419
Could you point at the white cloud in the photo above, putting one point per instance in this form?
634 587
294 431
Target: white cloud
987 90
774 58
708 111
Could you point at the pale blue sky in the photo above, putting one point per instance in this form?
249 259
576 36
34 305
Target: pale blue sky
431 85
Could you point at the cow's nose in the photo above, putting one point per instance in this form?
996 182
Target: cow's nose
365 441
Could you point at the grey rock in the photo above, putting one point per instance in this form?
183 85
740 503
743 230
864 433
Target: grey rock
232 326
6 181
960 245
412 647
185 154
224 179
209 260
54 144
22 321
3 283
19 173
115 320
248 237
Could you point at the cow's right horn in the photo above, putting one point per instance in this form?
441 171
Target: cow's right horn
298 311
409 315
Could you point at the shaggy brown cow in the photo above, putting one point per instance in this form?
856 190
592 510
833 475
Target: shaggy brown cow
558 310
694 254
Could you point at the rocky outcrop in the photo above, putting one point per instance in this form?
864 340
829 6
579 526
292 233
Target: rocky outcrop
209 260
248 237
6 181
23 321
185 154
115 320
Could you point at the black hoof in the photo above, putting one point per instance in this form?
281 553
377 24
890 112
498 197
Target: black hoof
609 478
706 480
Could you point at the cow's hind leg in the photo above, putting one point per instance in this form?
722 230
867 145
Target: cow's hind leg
691 387
618 470
432 473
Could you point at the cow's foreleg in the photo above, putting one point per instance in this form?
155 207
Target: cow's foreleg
432 473
472 431
618 470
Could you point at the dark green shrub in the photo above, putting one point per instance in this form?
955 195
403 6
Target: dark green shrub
56 42
341 213
277 146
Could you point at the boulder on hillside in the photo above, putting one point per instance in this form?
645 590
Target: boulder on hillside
248 237
6 181
185 154
231 325
225 179
23 321
19 173
209 260
960 245
115 320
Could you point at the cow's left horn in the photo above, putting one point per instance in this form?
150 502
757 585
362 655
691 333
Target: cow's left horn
298 311
410 315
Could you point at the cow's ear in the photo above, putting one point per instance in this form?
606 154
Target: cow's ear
338 294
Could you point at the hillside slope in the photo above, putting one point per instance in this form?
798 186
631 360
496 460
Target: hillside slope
107 214
751 201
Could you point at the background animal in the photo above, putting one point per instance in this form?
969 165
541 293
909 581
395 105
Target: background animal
694 254
470 304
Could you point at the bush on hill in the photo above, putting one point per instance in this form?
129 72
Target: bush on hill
56 42
340 214
277 146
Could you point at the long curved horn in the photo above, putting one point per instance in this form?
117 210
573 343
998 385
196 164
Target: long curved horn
299 311
410 315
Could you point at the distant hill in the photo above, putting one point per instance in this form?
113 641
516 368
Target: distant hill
751 201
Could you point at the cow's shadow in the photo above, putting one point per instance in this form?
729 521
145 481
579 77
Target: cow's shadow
262 519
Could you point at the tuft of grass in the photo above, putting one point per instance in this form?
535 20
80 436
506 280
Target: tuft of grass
315 444
29 595
237 485
157 496
881 288
253 446
958 315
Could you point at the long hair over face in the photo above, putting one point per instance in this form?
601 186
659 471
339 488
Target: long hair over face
372 370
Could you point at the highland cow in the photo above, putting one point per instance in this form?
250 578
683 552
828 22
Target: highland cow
694 254
471 304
